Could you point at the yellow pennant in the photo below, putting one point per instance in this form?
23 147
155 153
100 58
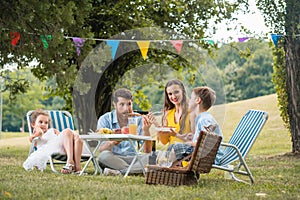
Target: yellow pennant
144 46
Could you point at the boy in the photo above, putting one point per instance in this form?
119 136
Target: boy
202 99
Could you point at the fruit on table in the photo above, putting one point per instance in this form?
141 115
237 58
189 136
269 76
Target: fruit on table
105 131
125 130
117 131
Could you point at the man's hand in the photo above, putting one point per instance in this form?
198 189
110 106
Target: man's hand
108 145
147 122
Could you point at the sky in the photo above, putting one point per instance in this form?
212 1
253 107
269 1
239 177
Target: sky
253 21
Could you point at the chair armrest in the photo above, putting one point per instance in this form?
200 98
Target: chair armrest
234 147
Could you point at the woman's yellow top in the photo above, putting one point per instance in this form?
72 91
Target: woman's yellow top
171 122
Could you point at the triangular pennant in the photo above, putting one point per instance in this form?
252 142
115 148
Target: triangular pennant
114 46
177 44
243 39
275 38
78 44
44 40
15 37
209 41
144 46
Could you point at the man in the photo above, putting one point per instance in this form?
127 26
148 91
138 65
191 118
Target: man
116 156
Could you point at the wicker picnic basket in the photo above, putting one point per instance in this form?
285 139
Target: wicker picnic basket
201 162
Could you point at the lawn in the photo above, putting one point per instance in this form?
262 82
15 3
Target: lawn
275 170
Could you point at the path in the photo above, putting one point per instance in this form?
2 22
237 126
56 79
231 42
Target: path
17 141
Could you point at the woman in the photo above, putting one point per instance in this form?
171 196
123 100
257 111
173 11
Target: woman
176 112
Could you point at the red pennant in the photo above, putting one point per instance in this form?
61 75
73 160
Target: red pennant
178 45
15 36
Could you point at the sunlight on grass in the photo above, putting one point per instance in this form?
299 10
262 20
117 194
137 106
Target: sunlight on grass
275 173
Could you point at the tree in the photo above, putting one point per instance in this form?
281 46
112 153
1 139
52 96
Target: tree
247 69
15 107
45 25
284 17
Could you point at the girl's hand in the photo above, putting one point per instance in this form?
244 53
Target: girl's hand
38 132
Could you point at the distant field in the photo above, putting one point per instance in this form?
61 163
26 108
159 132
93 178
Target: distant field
7 135
273 139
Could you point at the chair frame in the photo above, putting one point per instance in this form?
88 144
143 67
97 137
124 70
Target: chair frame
235 144
54 123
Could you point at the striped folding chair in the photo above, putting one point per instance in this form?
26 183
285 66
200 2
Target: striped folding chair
60 120
240 144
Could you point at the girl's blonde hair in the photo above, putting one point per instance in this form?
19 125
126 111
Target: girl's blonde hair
37 113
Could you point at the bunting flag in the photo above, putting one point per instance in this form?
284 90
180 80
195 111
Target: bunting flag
177 44
78 44
209 41
243 39
114 47
44 40
144 46
275 38
15 37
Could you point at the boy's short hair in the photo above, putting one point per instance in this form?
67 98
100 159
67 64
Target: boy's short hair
122 92
207 95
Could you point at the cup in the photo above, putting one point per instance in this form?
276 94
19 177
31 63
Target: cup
132 124
227 174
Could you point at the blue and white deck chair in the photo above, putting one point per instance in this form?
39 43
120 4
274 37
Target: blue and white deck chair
240 143
60 120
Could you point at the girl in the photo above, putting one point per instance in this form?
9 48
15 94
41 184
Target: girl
52 141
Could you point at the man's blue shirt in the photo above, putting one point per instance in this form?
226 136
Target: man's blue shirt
110 120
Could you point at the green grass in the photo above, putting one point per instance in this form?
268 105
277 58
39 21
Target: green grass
276 172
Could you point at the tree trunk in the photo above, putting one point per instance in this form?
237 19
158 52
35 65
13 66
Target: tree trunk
292 58
97 101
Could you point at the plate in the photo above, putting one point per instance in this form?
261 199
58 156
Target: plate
165 129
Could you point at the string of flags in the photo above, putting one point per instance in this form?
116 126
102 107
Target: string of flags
142 44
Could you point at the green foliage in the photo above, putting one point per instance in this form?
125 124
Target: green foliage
247 69
99 19
33 20
279 80
15 109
